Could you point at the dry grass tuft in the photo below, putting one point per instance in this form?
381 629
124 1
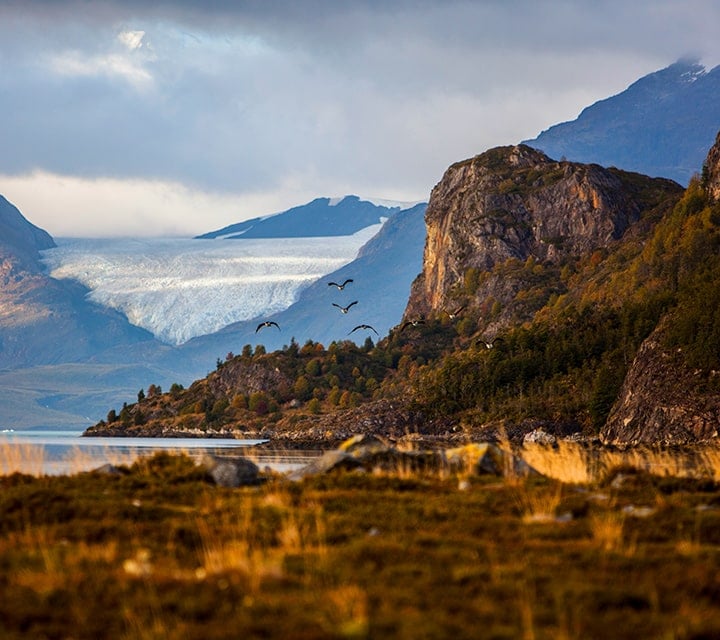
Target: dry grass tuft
576 463
607 528
538 504
19 457
347 611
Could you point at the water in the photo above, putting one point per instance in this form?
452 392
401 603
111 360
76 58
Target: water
67 452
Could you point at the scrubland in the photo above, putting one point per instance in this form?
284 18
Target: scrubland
599 545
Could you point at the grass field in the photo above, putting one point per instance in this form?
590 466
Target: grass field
158 552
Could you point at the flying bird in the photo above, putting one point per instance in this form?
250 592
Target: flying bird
340 286
267 323
364 326
489 345
413 323
344 309
455 313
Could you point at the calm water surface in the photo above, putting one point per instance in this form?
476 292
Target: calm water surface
61 452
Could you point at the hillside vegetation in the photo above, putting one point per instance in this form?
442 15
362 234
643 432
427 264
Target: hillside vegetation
563 340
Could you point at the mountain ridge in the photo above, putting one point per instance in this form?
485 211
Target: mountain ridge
661 125
318 218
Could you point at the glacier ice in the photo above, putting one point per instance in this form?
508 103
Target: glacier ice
181 288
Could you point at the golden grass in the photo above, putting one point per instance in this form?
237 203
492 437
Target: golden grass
20 457
297 559
346 611
31 459
607 528
574 463
230 542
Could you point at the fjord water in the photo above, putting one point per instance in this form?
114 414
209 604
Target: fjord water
48 452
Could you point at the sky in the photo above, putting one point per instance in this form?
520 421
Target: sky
176 117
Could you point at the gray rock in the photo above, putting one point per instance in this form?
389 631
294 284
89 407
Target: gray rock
109 469
539 436
230 472
329 461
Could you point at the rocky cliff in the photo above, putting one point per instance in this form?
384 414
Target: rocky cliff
600 285
510 205
662 401
668 396
712 170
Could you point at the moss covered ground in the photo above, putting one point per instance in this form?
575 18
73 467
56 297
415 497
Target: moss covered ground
159 552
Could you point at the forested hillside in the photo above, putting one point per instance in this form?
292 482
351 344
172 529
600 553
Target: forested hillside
508 327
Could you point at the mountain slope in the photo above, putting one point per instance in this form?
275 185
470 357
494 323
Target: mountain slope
44 320
661 125
322 217
541 254
382 273
20 238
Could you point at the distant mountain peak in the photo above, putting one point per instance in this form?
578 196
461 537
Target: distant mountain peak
663 124
379 202
339 216
20 237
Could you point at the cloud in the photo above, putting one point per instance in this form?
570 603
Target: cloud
131 39
74 63
67 206
289 98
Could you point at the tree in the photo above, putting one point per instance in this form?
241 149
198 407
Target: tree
141 395
302 388
314 406
258 402
125 415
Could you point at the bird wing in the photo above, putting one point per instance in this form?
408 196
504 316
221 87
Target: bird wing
333 284
351 304
336 305
260 326
346 281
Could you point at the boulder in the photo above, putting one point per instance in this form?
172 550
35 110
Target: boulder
371 453
485 458
230 472
329 461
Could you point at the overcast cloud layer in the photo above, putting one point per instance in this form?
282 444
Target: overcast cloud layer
118 118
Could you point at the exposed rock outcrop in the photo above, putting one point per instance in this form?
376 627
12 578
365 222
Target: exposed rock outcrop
514 204
660 401
712 169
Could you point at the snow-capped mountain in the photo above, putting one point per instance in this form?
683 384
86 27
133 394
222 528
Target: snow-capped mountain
180 288
662 125
322 217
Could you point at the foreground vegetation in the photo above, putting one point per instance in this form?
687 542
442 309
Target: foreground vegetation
598 550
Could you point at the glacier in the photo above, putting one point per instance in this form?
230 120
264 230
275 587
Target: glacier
180 288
